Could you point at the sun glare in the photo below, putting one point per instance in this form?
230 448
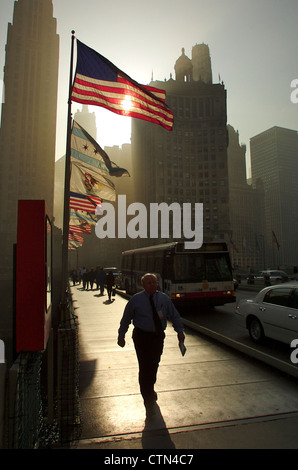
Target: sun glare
126 103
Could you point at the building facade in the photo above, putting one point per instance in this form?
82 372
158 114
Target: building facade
246 211
188 164
28 128
274 166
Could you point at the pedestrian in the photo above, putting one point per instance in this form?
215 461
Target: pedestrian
100 279
148 334
82 272
267 279
91 278
74 277
86 279
110 281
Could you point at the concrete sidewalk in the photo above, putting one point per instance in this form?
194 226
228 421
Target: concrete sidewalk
212 398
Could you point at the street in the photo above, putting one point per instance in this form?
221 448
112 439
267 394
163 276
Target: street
222 320
213 397
221 324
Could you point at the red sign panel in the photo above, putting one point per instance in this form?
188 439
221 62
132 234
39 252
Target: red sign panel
33 276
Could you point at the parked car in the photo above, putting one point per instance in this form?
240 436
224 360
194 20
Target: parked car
273 313
268 277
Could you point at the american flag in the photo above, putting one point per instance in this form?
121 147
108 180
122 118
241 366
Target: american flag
99 82
84 228
73 245
83 202
75 237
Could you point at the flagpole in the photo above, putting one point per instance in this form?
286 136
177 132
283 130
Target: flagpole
67 184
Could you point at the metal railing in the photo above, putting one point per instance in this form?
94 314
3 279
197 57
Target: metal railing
43 405
25 402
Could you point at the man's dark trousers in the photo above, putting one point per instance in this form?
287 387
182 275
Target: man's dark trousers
149 348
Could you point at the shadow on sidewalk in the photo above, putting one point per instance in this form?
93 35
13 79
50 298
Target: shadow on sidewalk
155 434
86 375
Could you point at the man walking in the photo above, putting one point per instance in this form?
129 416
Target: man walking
149 310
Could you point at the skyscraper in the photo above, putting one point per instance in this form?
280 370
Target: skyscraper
28 127
188 164
274 165
246 204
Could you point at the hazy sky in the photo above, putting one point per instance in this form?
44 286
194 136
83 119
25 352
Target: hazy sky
253 47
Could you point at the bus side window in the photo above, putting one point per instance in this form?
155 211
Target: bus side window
158 263
145 263
168 266
150 264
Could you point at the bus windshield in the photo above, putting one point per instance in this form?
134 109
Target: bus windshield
196 267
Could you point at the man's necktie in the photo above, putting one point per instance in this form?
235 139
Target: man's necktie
157 321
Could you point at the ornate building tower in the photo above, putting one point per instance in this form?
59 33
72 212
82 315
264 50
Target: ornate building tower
183 68
201 63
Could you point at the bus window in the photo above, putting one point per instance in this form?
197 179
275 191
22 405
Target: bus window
217 268
143 263
167 263
151 263
158 263
137 263
189 268
125 262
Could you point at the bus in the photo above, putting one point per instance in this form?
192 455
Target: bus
202 275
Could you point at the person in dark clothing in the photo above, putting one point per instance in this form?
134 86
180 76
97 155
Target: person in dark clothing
85 279
149 311
110 281
91 278
100 280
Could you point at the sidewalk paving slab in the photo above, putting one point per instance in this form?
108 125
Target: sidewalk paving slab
212 398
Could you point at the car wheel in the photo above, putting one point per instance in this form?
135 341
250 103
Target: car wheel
256 331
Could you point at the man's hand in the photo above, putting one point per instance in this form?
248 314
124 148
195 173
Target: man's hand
121 342
181 337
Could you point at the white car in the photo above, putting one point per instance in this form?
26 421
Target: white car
273 277
273 313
